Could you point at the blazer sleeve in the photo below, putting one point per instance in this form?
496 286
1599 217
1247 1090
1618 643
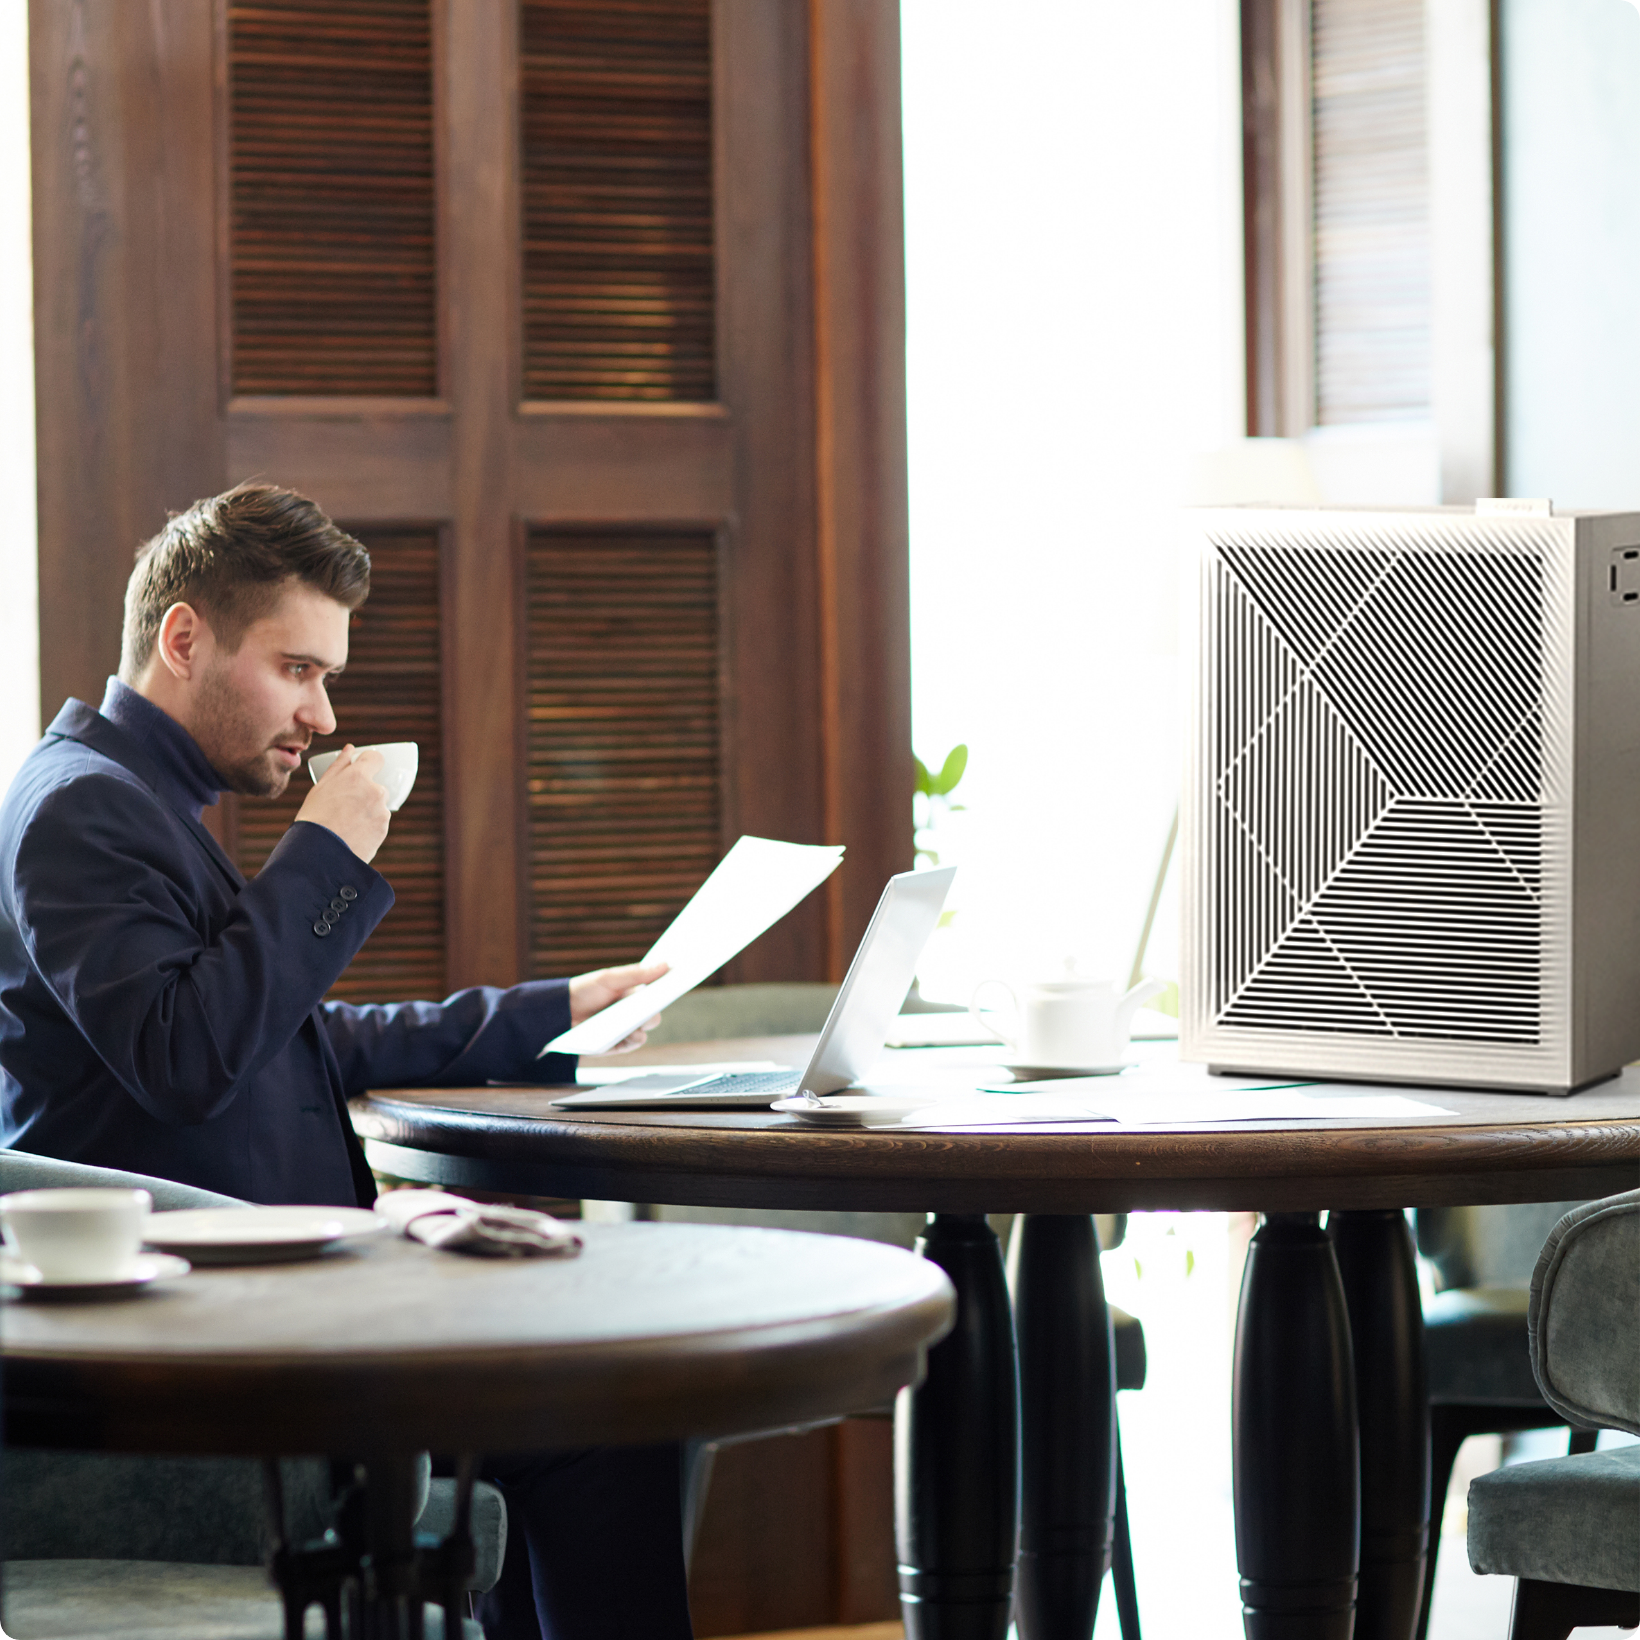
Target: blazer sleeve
183 1004
475 1036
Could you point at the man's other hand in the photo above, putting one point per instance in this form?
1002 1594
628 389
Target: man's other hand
590 994
350 801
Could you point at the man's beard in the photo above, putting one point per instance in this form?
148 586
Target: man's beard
224 729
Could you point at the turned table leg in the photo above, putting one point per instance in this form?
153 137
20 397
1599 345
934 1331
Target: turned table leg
1375 1259
1067 1402
956 1451
1297 1487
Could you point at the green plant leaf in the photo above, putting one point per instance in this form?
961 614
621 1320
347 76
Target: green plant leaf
955 766
925 781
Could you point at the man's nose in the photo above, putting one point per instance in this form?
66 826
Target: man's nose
315 713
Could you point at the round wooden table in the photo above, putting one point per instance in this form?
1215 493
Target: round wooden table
1010 1444
654 1332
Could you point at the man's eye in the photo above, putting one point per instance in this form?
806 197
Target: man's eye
299 671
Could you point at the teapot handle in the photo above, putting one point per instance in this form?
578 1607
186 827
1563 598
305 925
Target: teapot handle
977 1013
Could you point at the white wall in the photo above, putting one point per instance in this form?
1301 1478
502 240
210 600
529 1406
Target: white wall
19 627
1571 139
1073 199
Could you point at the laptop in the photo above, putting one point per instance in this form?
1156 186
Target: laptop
852 1037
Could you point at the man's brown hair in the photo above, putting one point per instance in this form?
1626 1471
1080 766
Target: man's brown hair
228 557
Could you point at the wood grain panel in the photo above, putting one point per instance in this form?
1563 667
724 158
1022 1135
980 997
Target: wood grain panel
617 199
664 464
331 205
390 691
124 307
863 510
363 459
773 777
623 758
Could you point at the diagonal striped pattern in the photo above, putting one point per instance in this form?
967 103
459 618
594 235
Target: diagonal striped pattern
1376 852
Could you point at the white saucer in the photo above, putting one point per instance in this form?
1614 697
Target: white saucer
1047 1073
257 1235
145 1267
853 1109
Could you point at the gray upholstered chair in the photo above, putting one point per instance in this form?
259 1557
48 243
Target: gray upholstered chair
102 1543
1480 1372
1568 1529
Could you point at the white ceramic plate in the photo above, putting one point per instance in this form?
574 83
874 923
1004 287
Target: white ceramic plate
257 1235
1048 1073
145 1267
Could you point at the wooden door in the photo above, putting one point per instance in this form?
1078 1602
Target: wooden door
587 316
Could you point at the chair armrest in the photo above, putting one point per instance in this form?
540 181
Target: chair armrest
1584 1319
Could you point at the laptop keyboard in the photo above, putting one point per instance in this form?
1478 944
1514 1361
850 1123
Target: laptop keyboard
773 1083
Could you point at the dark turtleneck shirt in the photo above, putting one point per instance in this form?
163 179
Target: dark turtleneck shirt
190 784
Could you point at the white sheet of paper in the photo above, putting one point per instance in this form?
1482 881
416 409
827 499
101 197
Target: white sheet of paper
1209 1110
754 885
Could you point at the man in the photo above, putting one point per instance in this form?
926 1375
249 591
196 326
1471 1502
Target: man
159 1013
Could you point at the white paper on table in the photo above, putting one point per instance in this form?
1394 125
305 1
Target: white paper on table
754 885
1204 1110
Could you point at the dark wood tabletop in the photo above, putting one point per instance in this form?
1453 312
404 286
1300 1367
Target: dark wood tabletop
1497 1147
653 1332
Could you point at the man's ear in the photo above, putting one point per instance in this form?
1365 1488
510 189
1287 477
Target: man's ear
185 642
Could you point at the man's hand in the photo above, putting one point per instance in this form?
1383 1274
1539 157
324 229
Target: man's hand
350 801
590 994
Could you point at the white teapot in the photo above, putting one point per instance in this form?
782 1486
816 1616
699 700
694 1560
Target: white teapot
1065 1024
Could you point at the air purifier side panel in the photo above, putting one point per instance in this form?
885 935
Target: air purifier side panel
1606 876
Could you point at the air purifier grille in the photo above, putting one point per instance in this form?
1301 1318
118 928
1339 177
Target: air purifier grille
1379 788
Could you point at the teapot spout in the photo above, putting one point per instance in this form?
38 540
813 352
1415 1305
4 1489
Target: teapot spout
1128 1006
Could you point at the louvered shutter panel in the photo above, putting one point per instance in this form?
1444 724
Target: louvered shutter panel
331 209
1371 193
617 187
623 751
390 691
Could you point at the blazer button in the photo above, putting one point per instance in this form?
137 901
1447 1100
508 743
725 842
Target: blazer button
348 893
321 927
338 906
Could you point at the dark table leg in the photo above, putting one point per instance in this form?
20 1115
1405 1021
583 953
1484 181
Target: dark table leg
956 1451
1297 1488
1067 1405
1375 1259
374 1564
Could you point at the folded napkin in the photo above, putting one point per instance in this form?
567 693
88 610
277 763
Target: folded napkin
482 1228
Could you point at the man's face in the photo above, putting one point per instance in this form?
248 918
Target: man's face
258 709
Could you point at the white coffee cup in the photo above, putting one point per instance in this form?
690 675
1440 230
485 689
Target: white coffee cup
76 1235
1065 1024
400 760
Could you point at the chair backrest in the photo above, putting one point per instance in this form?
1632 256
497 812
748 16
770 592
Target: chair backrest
19 1170
1584 1317
712 1012
1486 1246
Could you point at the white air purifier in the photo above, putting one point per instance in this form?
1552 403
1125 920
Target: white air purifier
1411 821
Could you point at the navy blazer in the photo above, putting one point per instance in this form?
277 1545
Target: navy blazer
161 1014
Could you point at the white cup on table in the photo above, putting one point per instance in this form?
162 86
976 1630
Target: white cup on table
76 1234
400 760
